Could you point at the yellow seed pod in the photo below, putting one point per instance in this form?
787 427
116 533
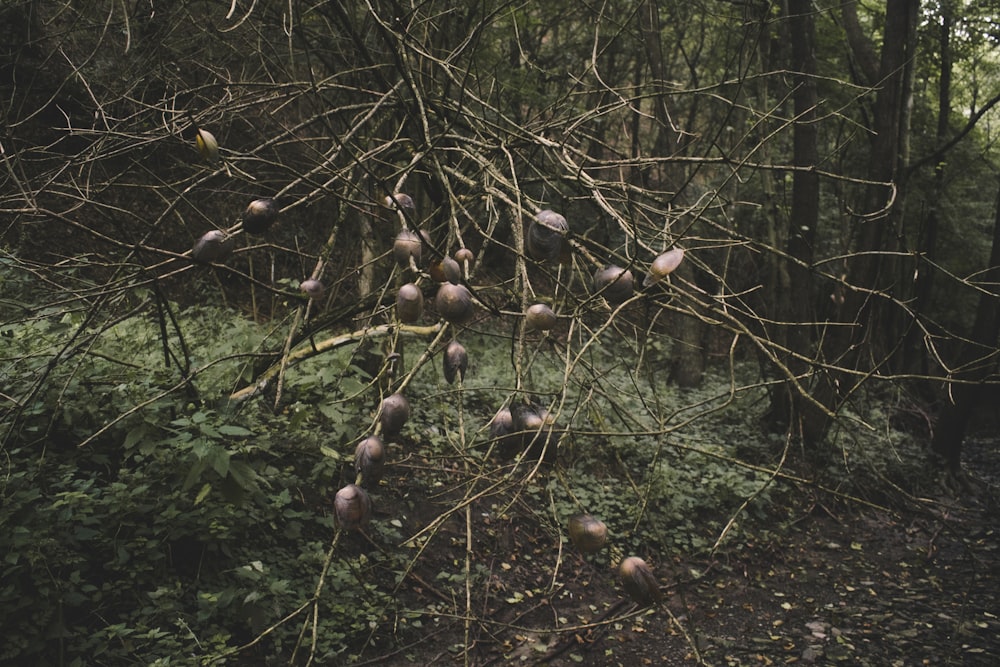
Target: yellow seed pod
207 145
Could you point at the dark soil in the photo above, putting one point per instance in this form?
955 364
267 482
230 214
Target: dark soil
855 585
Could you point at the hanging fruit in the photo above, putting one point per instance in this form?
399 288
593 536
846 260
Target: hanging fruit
614 283
663 266
207 145
352 507
313 289
400 200
446 270
546 236
407 244
454 303
456 362
533 423
393 413
409 303
213 246
369 460
502 424
259 215
539 317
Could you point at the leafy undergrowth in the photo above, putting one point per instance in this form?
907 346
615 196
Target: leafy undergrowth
148 519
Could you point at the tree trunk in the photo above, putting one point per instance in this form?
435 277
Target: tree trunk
928 236
859 341
977 360
795 295
688 355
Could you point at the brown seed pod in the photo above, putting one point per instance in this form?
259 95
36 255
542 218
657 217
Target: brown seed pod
546 236
313 288
614 283
502 423
407 244
527 418
400 200
451 270
409 303
352 507
393 413
445 270
587 533
454 303
456 361
260 215
508 443
213 246
369 460
639 581
533 424
663 266
539 317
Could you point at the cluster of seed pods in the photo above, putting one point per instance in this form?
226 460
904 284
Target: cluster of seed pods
522 428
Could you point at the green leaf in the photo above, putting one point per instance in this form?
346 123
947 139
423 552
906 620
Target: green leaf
202 494
218 458
237 431
329 452
243 474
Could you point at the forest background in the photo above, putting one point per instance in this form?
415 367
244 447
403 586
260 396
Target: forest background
178 410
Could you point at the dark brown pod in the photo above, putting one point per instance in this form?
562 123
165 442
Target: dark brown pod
533 424
539 317
213 246
663 266
400 200
587 533
352 507
369 460
546 236
614 283
527 418
313 288
259 216
447 270
407 244
450 270
454 303
394 412
409 303
502 423
502 431
456 361
639 582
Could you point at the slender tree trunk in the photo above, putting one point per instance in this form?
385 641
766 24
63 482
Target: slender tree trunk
977 360
858 342
688 364
795 296
928 236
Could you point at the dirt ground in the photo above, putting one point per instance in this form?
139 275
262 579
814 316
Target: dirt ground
854 586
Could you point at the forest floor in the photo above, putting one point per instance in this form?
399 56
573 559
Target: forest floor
851 585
